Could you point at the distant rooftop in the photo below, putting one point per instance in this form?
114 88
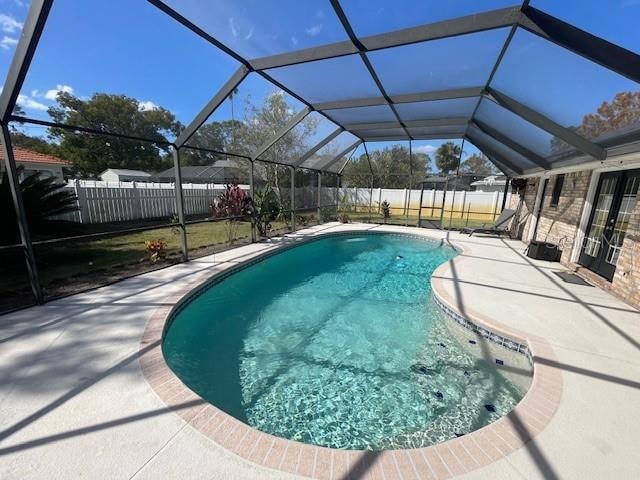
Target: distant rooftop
122 171
23 155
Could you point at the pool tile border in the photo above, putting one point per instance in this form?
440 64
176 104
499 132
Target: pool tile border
439 462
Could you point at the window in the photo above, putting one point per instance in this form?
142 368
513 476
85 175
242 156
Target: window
557 190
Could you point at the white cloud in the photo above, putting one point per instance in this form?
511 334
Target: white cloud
146 106
315 30
29 103
52 94
8 24
249 35
234 32
8 42
294 40
428 149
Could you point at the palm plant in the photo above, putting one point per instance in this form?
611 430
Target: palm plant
266 209
44 198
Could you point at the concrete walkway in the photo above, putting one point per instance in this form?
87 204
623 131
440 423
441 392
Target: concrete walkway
74 403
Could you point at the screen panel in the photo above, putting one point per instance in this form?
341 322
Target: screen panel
455 107
455 62
371 114
371 17
128 60
342 78
249 117
519 130
257 28
381 133
609 21
567 88
329 151
482 140
451 131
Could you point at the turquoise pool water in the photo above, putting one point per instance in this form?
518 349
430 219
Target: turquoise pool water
337 343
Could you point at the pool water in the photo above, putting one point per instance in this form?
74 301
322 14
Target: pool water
338 343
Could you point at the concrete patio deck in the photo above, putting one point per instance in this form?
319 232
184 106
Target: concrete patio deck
74 402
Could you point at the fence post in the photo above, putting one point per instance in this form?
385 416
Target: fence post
83 207
137 202
404 200
495 204
433 199
466 224
464 200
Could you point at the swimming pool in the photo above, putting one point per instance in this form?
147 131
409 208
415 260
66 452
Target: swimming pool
338 343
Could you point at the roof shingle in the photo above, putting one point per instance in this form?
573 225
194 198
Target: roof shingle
23 155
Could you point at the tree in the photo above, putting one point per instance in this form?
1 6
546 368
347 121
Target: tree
478 164
622 111
261 124
217 136
92 154
390 166
37 144
447 157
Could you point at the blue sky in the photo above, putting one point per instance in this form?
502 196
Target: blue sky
130 47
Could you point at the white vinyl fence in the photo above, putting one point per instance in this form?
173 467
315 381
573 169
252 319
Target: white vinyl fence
462 204
106 202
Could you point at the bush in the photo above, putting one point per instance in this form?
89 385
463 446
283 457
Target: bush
266 209
386 210
156 250
328 214
233 202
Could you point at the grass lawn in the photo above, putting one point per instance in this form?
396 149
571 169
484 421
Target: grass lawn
412 220
74 266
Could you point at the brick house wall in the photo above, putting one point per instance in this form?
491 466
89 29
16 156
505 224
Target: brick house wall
626 281
560 225
524 206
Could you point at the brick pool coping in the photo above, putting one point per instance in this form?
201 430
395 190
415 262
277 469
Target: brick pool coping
444 460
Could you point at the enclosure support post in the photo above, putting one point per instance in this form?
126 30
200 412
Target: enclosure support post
319 197
180 204
504 195
25 50
444 199
21 217
252 193
370 197
293 199
406 222
455 185
420 206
